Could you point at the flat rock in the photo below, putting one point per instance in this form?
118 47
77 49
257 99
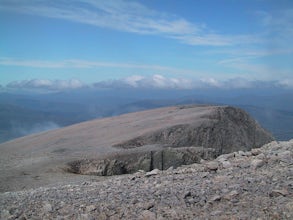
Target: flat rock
212 166
279 192
153 172
257 163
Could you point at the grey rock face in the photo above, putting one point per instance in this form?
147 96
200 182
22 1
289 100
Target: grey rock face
147 161
226 130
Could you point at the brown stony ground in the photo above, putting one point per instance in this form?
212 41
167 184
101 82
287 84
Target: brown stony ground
257 184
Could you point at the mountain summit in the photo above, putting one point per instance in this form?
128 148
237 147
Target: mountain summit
158 138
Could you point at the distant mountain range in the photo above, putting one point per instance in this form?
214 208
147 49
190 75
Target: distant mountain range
22 114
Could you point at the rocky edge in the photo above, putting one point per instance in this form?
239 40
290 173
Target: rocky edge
255 184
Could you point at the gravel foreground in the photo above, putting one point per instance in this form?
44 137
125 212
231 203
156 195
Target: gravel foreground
244 185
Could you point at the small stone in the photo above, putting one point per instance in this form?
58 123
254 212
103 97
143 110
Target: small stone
216 213
255 151
256 163
204 174
231 195
260 156
90 208
226 164
241 153
170 168
187 194
248 154
149 205
279 192
215 198
47 207
223 157
153 172
212 166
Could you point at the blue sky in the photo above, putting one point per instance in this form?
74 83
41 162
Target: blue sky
160 42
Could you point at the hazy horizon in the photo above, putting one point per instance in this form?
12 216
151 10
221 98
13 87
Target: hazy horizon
65 63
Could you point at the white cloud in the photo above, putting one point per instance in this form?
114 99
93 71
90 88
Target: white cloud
285 83
162 82
127 16
151 82
86 64
45 84
210 82
8 61
158 81
155 81
278 27
134 80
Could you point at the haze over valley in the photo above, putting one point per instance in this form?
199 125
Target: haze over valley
24 114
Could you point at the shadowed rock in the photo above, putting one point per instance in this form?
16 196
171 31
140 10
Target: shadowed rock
147 161
226 130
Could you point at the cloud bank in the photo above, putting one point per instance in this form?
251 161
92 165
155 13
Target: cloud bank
161 82
150 82
45 84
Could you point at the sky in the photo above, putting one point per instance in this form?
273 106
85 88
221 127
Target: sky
62 44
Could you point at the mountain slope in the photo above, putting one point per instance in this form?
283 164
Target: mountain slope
40 159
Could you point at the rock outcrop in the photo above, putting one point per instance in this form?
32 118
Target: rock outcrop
227 129
146 161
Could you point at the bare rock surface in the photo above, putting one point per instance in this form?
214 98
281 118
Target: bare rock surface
257 184
130 162
159 138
